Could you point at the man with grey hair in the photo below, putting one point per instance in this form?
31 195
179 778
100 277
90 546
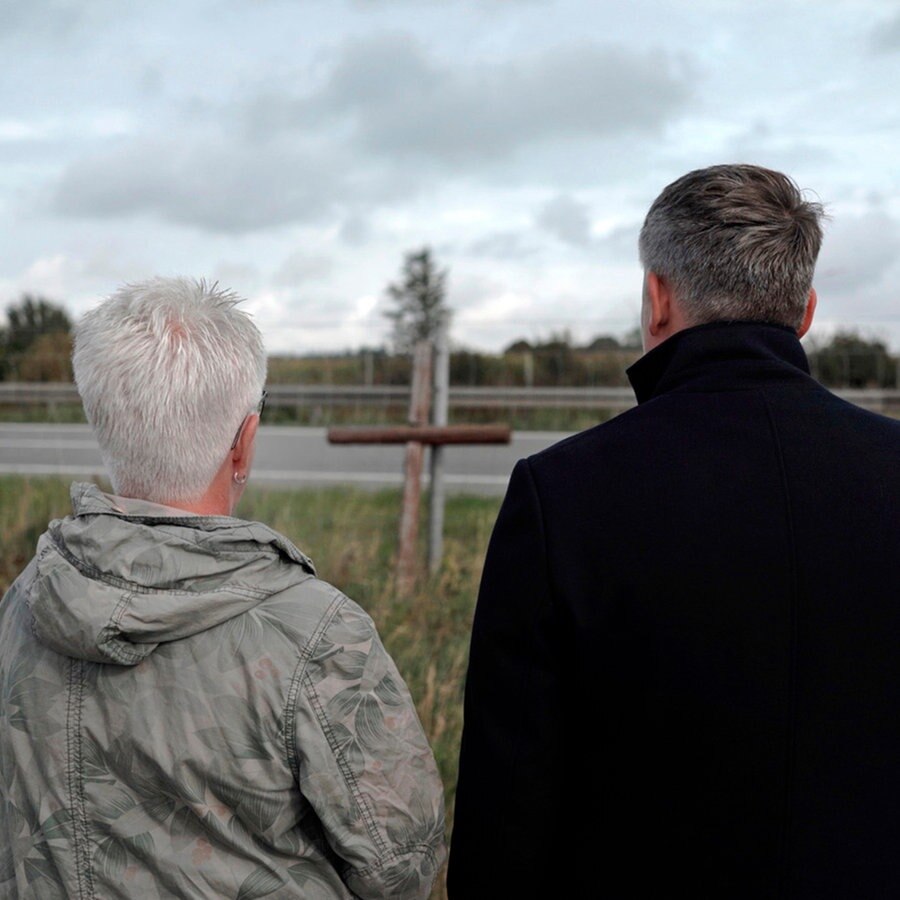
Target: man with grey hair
684 672
185 709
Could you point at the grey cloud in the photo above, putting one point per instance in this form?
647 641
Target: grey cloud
371 134
470 291
886 36
150 81
390 67
218 184
314 308
366 73
222 188
566 219
857 253
48 18
42 19
766 145
502 245
504 5
302 267
244 278
619 244
406 104
569 221
355 230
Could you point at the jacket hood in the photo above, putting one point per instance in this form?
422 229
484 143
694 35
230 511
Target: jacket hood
120 576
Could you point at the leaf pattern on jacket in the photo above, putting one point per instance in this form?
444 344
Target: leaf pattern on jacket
259 883
248 737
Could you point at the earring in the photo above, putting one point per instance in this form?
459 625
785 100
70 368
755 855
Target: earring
240 477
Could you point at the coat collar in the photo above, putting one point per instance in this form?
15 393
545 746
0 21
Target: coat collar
719 356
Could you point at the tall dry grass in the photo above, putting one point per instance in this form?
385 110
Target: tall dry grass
351 536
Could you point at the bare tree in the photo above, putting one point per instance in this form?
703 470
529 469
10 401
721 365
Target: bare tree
420 297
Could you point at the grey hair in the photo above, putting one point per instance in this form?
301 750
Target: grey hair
737 242
167 370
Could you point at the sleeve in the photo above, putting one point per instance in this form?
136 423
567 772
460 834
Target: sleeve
507 822
364 763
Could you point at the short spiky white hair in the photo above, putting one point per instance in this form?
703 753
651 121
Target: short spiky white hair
167 370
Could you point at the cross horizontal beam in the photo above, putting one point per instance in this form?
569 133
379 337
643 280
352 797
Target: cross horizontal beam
421 434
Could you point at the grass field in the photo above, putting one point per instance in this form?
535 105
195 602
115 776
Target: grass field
351 536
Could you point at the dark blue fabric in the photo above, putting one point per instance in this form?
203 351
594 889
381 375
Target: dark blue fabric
685 663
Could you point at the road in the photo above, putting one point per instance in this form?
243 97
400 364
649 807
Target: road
285 456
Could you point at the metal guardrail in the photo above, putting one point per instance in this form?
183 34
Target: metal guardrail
541 397
613 398
24 392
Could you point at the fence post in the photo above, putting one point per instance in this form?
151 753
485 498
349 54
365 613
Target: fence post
528 367
439 417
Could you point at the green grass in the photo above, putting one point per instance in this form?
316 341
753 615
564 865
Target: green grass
351 536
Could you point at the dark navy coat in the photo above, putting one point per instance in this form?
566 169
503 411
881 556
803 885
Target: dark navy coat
685 663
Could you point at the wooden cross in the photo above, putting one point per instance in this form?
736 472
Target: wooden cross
417 435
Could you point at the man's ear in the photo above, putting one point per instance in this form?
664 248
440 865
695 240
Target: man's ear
659 293
808 314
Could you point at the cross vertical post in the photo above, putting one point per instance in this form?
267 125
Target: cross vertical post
419 408
439 418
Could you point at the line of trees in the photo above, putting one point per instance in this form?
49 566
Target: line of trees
846 360
850 360
36 345
36 341
420 311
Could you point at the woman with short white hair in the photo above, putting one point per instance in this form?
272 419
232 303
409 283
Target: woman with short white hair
170 371
185 709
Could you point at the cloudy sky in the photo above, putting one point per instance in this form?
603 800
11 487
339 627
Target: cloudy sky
295 150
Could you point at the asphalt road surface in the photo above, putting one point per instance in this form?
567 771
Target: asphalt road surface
285 456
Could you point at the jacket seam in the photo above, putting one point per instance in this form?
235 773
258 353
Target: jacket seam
74 781
794 625
123 654
29 597
393 855
362 801
290 708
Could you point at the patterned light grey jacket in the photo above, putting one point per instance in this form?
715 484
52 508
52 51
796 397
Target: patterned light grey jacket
186 711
